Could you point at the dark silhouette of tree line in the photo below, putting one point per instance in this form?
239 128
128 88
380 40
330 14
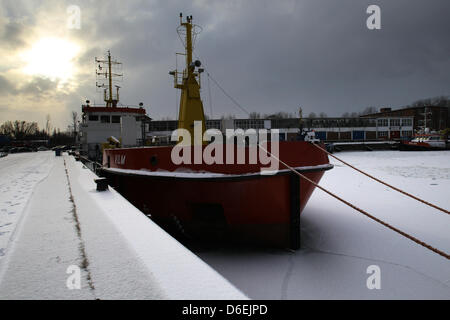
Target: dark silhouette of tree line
20 131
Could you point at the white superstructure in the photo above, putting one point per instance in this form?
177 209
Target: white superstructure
99 123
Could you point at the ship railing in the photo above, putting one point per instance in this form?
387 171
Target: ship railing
94 166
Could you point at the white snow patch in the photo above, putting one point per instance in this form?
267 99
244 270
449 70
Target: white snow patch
44 244
204 174
19 176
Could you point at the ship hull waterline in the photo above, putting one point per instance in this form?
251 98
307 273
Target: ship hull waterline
227 202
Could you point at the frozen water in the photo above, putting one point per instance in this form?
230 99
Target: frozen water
339 243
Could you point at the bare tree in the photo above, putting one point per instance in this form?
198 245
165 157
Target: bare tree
368 110
19 129
254 115
312 115
74 122
228 117
282 115
323 115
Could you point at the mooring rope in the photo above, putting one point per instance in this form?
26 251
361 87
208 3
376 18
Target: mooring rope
382 182
412 238
423 244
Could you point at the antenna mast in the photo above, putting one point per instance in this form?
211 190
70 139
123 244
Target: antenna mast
108 71
188 80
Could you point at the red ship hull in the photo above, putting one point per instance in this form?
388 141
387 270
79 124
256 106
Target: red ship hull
219 200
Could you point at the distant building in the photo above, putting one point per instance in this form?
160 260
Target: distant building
360 129
327 129
387 124
437 118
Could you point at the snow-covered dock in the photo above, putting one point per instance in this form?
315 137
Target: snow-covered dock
53 222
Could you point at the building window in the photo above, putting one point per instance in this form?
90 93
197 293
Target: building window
407 122
115 119
93 118
105 119
382 122
245 124
382 134
213 124
407 133
395 122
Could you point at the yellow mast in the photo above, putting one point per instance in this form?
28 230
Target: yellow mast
191 106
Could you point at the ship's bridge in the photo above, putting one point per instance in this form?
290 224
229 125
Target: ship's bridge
128 124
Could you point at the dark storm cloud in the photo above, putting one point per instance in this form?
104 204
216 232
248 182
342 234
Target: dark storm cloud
322 56
277 56
12 34
39 87
271 55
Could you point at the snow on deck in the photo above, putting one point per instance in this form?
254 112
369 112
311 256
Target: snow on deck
206 175
52 219
339 243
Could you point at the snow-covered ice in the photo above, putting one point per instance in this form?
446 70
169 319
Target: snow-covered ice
65 222
339 243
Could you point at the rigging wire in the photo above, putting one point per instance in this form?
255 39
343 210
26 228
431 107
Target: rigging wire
222 89
229 96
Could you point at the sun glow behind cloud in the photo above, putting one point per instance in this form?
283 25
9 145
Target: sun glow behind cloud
51 58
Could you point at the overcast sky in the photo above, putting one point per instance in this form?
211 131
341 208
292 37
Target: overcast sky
269 55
